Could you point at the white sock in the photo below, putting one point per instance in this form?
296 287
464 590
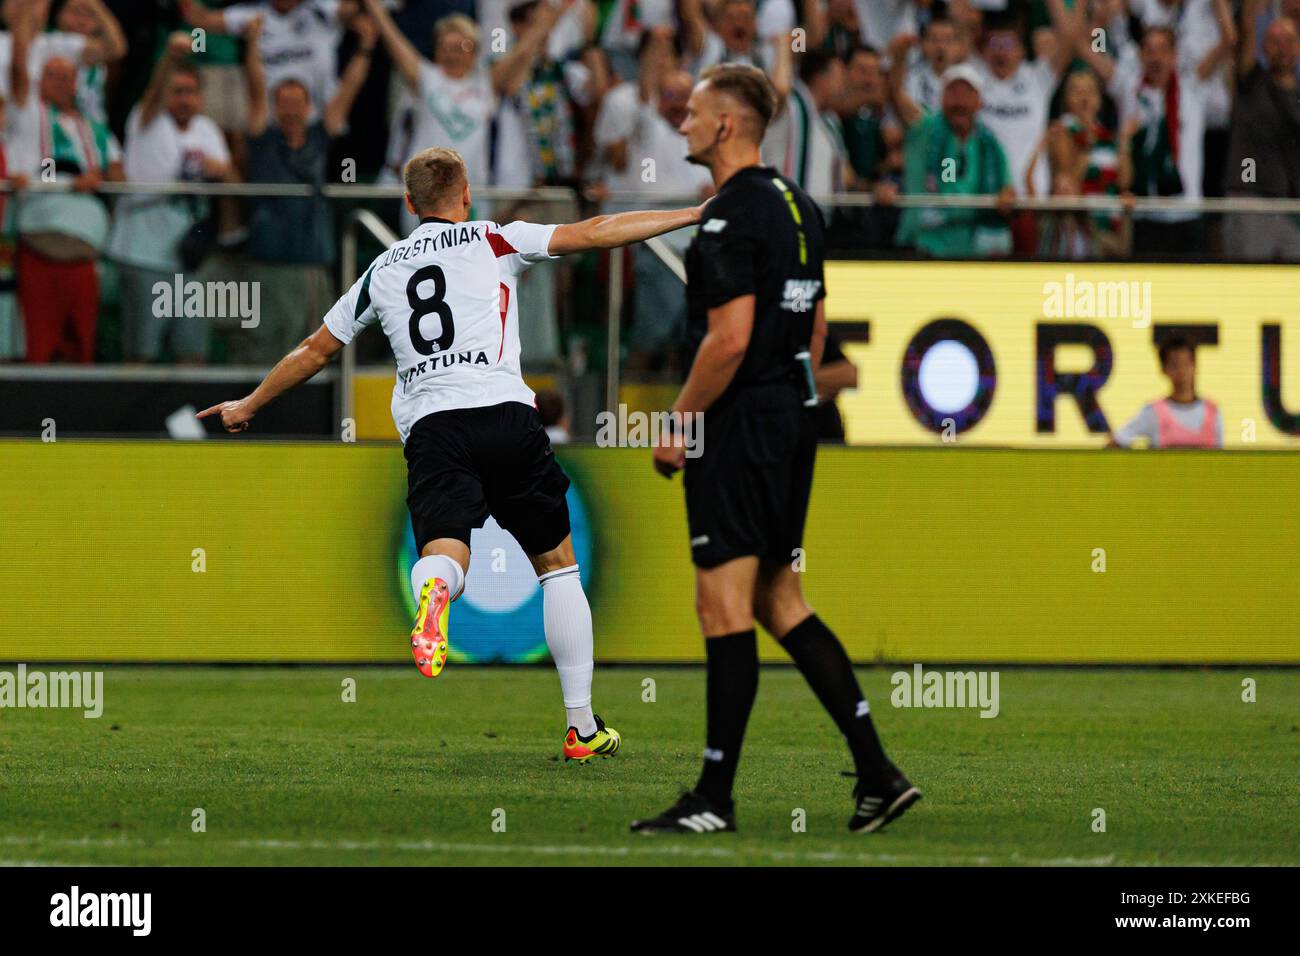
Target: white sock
437 566
567 619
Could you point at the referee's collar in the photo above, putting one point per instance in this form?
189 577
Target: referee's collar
429 219
749 171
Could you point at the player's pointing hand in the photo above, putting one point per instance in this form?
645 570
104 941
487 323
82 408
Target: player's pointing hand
235 415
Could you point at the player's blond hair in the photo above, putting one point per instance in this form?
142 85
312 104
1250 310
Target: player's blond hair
433 177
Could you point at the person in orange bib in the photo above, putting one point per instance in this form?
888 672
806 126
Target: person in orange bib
1183 420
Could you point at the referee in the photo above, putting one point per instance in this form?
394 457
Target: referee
756 318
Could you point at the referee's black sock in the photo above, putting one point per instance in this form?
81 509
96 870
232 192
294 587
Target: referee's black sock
731 686
821 659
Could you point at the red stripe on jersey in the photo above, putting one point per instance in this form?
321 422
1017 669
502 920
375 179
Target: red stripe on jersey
505 306
500 244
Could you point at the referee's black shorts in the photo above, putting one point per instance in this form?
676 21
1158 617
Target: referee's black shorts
466 463
747 494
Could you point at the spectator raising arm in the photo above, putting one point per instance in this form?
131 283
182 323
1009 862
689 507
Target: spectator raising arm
511 71
1101 61
107 44
197 15
906 108
1222 51
1251 11
816 21
354 76
26 22
151 104
259 110
1068 26
782 66
406 58
655 63
694 27
214 21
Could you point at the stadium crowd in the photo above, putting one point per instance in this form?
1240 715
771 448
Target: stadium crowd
1003 98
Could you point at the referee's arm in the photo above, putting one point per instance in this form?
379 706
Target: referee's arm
723 349
720 353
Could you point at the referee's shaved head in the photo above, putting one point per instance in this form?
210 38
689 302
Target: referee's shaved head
435 180
749 88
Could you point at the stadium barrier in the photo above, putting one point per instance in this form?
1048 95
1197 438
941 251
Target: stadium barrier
1106 350
262 551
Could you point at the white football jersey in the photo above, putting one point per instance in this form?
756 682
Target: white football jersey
445 297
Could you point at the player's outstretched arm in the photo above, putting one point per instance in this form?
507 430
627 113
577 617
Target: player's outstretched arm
619 229
295 368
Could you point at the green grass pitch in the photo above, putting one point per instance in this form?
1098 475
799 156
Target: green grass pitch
415 771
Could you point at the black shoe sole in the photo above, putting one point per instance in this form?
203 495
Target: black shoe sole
896 810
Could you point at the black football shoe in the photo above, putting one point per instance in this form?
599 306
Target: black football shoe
693 813
876 804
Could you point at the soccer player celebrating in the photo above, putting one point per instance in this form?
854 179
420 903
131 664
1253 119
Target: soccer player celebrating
445 297
756 314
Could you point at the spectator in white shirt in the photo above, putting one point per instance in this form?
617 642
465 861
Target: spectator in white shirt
625 25
541 102
637 135
1162 106
1017 94
298 37
1200 27
805 141
882 20
574 31
60 233
940 49
86 33
733 37
833 25
453 98
168 140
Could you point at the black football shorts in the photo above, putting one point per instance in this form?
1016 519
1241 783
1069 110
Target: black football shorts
747 494
466 463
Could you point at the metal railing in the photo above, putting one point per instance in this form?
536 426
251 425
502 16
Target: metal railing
1139 204
378 229
258 190
363 219
557 194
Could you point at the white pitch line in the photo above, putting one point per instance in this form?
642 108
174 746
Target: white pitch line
32 864
557 850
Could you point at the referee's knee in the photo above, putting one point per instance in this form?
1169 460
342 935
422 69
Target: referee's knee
723 613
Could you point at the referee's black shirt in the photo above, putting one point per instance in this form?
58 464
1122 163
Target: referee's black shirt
760 235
